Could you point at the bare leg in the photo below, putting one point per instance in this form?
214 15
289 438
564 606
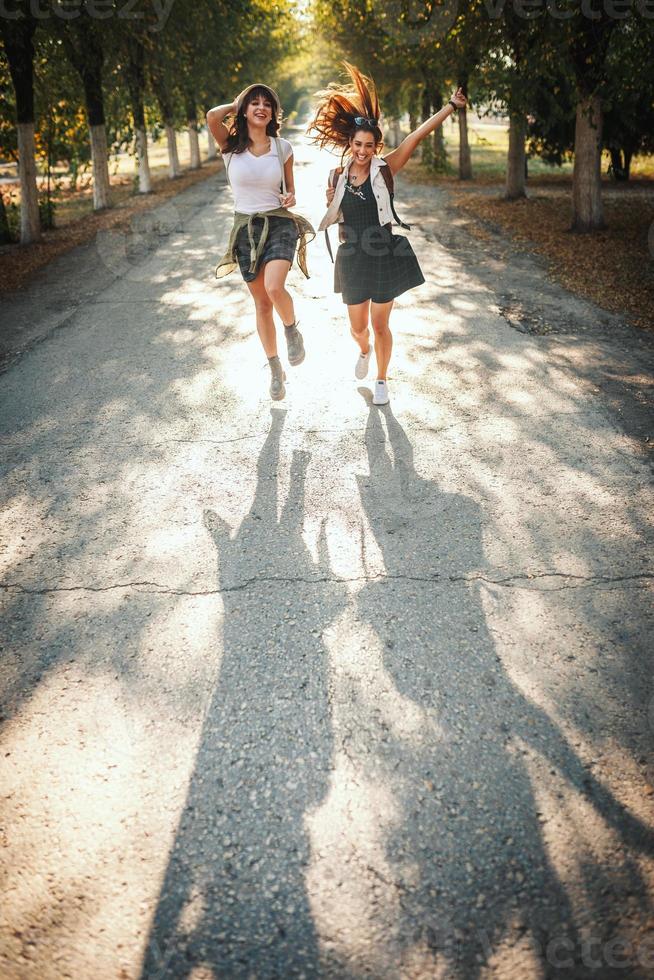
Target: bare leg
264 310
380 315
359 324
275 273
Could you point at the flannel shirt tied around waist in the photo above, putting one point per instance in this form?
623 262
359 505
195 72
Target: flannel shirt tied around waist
229 260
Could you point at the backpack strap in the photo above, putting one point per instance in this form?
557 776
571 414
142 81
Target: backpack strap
389 180
335 174
387 174
278 144
280 155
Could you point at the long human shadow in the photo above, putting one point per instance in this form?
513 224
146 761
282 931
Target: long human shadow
481 792
234 899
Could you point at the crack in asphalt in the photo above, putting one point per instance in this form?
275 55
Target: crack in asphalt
572 582
99 446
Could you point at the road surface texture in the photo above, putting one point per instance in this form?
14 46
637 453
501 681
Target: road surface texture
317 689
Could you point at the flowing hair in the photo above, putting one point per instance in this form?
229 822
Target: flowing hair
238 139
333 125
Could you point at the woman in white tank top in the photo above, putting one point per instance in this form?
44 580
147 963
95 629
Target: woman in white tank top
265 234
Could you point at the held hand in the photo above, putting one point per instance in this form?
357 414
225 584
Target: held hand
287 200
459 98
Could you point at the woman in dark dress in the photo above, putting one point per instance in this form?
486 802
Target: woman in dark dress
373 265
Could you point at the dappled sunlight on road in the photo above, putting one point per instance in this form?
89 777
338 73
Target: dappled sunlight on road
316 687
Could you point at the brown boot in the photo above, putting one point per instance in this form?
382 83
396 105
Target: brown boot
277 388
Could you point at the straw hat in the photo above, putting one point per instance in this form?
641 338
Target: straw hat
241 98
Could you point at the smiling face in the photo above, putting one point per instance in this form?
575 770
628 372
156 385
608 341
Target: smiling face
362 147
259 109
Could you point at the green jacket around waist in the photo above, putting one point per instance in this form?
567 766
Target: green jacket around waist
229 260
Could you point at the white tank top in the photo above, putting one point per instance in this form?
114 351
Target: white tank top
256 181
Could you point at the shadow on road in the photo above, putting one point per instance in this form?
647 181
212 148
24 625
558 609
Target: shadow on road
307 762
485 798
234 896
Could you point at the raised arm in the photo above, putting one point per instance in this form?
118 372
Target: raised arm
397 158
216 122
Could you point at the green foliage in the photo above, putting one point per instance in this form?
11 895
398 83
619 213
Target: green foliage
628 98
204 53
417 51
533 66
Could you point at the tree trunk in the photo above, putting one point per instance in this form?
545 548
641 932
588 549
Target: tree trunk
620 163
83 48
174 169
145 180
17 38
136 85
627 164
396 135
100 163
194 146
30 225
465 161
440 154
194 142
587 211
515 167
616 162
427 155
162 95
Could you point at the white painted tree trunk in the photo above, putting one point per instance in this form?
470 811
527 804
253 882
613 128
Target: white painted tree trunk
30 225
212 152
587 209
174 169
194 145
515 164
465 163
100 159
145 181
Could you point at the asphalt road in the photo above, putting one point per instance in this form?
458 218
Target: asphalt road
321 689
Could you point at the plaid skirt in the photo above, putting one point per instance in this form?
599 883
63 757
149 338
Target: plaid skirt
377 271
280 244
373 263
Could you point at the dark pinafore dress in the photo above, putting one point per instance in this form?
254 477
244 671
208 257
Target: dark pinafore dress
372 263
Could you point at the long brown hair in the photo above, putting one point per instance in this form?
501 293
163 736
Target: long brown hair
334 124
238 138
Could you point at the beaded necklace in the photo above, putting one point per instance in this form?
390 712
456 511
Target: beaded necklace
356 191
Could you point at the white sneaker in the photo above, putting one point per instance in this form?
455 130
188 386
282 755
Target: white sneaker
380 394
362 365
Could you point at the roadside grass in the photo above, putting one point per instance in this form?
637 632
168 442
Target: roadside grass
18 263
614 267
489 143
70 206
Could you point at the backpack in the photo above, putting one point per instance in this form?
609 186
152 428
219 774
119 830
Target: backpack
390 186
